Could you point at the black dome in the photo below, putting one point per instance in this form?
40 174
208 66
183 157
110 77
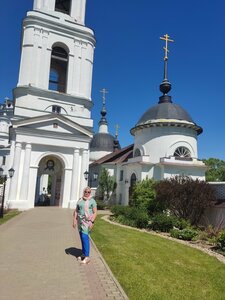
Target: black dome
165 110
102 142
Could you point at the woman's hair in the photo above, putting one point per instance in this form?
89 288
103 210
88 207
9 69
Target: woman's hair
87 189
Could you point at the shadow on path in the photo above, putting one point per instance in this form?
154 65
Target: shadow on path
73 251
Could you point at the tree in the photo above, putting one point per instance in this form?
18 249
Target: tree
143 196
107 184
185 197
216 169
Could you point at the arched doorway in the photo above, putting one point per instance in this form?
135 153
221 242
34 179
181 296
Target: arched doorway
49 185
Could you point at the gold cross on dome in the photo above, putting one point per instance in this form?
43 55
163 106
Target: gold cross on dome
166 38
104 92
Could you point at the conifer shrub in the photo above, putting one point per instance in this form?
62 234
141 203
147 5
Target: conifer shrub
185 197
144 197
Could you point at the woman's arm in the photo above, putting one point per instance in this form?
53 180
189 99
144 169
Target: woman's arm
75 218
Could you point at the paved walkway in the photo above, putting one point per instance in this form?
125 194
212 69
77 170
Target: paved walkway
38 251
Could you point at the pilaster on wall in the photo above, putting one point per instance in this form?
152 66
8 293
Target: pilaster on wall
74 191
26 171
15 178
84 167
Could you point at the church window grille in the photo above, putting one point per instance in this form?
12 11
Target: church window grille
63 6
58 70
137 152
182 153
3 160
56 109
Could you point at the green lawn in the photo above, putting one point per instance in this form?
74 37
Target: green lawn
8 215
151 267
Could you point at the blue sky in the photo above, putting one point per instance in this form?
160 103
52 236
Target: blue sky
128 61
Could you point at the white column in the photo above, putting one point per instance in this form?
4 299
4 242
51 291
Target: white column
84 167
75 176
15 178
26 171
46 60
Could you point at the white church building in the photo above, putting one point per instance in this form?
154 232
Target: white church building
165 145
46 133
51 127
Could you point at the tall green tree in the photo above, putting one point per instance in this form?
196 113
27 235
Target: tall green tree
144 196
216 169
107 184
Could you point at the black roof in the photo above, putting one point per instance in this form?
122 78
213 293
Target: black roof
103 142
165 110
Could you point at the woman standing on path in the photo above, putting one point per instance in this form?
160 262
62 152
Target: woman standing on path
84 216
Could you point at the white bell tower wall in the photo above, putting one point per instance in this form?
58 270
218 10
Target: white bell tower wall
77 8
45 28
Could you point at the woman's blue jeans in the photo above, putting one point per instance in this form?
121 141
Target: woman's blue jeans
85 244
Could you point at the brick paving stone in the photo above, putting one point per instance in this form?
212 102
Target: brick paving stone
38 260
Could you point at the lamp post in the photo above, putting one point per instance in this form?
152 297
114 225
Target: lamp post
86 174
92 178
4 178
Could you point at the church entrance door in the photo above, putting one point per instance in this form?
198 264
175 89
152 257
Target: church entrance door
49 185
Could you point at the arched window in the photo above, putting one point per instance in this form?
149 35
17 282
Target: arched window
137 152
63 6
182 152
133 180
58 70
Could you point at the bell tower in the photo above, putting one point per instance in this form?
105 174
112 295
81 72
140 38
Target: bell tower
75 9
51 124
56 62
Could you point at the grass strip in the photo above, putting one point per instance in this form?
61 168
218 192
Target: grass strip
151 267
9 215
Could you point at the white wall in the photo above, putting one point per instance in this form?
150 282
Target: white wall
159 142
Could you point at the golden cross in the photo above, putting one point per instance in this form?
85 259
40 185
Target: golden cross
166 38
117 128
104 92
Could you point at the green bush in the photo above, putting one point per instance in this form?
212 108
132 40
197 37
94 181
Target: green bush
221 240
131 216
100 204
186 234
181 223
118 210
162 222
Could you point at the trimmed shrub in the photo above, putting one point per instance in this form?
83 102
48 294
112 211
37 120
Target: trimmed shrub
131 216
162 222
186 234
118 210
